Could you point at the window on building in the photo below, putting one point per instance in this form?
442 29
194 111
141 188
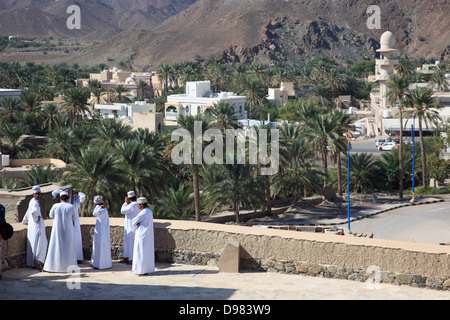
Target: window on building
171 109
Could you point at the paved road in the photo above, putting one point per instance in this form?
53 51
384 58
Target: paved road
365 146
425 224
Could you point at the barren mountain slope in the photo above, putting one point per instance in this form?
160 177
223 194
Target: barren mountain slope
100 19
280 30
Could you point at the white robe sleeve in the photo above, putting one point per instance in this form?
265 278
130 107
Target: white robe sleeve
82 196
99 211
137 219
126 208
25 218
56 192
52 213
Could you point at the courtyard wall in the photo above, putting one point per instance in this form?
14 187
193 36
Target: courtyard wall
270 250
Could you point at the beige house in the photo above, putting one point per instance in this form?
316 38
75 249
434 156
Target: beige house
281 95
154 122
111 79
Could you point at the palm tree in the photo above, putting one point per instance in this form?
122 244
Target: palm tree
219 76
98 94
255 93
398 86
322 133
274 151
11 184
9 109
40 175
424 106
59 144
111 131
389 166
438 80
224 116
141 167
322 94
82 136
160 103
340 145
260 71
30 102
236 186
95 172
335 81
142 88
239 72
177 201
11 134
298 172
190 71
164 74
191 125
176 73
48 114
119 92
405 67
363 173
76 103
279 74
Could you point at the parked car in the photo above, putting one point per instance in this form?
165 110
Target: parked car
379 142
407 140
388 146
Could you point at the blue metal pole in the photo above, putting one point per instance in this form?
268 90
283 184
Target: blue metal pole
348 183
413 152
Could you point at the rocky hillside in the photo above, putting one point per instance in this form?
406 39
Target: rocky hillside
267 31
278 30
100 19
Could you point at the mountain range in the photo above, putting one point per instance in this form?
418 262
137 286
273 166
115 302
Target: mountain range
147 33
100 19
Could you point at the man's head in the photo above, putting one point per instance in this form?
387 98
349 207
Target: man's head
64 196
98 200
36 192
142 203
131 195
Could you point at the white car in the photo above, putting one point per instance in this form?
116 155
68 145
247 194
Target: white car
388 146
379 142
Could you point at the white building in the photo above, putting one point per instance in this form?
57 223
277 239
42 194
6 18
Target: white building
384 69
385 65
124 110
13 93
137 115
199 98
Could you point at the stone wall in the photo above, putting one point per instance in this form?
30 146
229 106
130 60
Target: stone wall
323 255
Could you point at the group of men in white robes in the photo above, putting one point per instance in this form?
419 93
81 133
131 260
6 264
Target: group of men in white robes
65 248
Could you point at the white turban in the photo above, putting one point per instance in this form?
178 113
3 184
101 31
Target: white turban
36 189
141 200
56 192
131 194
98 199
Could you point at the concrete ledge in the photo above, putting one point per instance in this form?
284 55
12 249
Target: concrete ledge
271 250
